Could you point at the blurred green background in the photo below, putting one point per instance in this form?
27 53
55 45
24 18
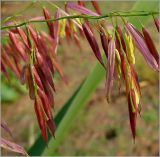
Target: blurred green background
100 128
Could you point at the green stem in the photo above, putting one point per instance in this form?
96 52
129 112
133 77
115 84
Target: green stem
83 16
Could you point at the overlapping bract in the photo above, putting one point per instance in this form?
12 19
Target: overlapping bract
32 56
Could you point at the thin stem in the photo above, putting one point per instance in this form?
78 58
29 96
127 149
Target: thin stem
81 17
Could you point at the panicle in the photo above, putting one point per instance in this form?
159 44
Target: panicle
32 56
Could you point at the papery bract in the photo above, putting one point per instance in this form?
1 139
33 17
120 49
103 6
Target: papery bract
110 66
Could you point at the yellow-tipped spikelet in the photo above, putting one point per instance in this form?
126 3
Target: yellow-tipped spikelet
130 48
62 32
118 63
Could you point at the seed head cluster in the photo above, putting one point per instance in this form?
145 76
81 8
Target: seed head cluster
32 56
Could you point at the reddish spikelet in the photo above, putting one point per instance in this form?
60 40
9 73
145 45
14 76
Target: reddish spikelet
10 63
59 69
133 96
45 70
41 118
47 37
93 43
104 41
52 43
132 117
124 71
12 146
141 45
46 86
81 3
23 74
6 128
68 32
23 36
30 82
18 65
96 6
50 24
51 59
4 69
33 34
90 26
49 94
57 25
37 78
157 23
45 103
150 44
81 32
44 51
52 126
135 77
117 42
11 51
14 30
111 65
81 9
76 39
18 45
120 34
